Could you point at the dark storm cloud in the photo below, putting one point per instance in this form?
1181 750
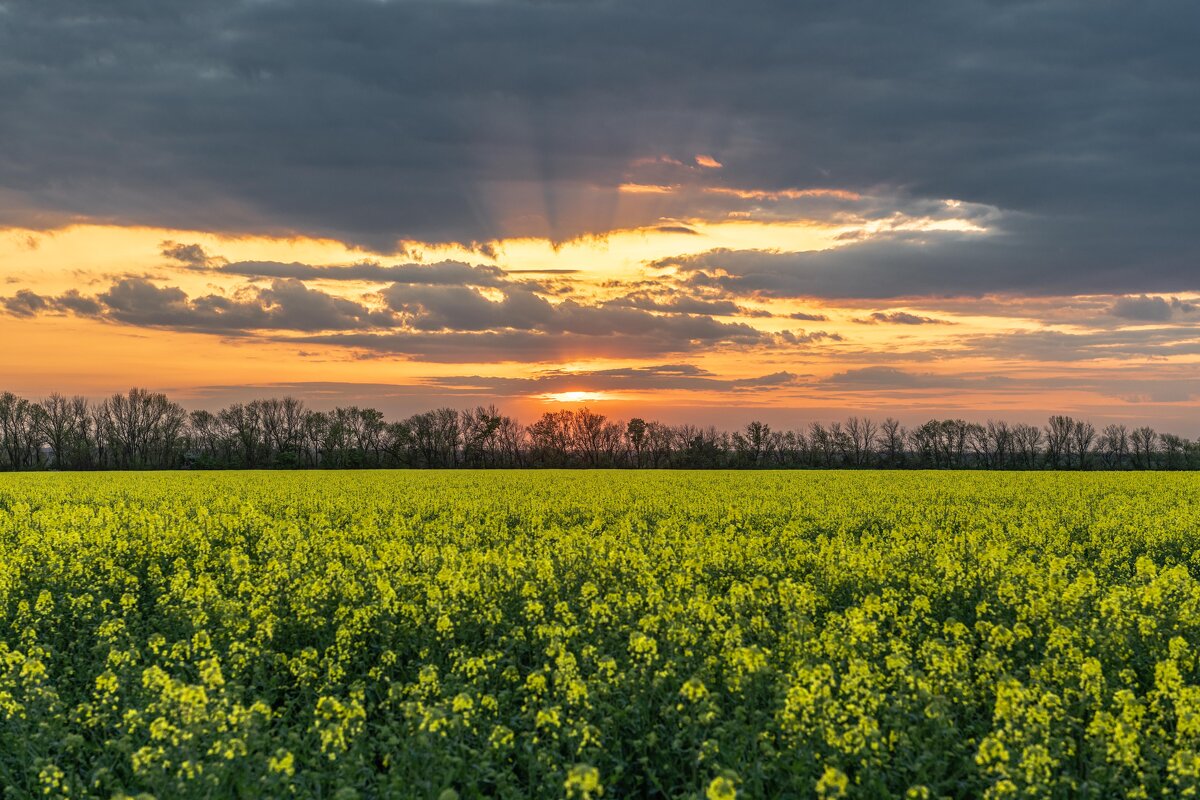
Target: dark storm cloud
1027 257
442 120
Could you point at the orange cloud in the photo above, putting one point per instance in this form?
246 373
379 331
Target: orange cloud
782 194
646 188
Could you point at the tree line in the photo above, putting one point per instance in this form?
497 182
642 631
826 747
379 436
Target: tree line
146 430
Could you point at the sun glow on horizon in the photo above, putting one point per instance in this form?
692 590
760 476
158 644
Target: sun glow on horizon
576 397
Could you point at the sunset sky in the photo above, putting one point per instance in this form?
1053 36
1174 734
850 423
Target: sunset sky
707 212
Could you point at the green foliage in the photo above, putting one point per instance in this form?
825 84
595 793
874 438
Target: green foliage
599 635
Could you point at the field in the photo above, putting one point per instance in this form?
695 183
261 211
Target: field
588 634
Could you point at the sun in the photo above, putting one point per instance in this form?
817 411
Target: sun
574 397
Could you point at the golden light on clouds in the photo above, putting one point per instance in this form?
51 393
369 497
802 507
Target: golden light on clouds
576 397
810 353
646 188
782 194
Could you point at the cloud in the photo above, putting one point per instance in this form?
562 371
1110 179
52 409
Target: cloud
1058 346
286 305
424 321
1026 257
462 308
882 378
800 315
192 255
508 346
900 318
73 301
1150 309
458 308
680 304
804 337
665 377
24 304
299 117
442 273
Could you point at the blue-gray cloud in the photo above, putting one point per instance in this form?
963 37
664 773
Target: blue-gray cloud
900 318
442 120
421 321
1151 309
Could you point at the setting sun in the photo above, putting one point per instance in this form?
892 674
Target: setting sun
576 397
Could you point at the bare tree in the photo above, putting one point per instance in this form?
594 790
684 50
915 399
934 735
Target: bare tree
1082 435
890 441
635 439
513 439
144 429
823 445
141 429
282 423
1058 440
63 425
751 445
586 429
1027 444
316 433
1143 442
1114 446
19 432
479 431
792 449
860 435
660 444
243 423
1174 449
982 445
1001 438
550 438
612 445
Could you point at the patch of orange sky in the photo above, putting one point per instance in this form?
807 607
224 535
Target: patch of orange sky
94 357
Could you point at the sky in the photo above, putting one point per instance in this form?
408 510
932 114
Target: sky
702 212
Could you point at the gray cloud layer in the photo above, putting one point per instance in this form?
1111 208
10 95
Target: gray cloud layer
466 121
687 377
287 304
444 273
426 321
900 318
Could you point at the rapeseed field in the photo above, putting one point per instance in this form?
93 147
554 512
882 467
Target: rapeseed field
600 635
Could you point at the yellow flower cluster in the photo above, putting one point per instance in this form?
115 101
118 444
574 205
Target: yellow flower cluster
594 635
